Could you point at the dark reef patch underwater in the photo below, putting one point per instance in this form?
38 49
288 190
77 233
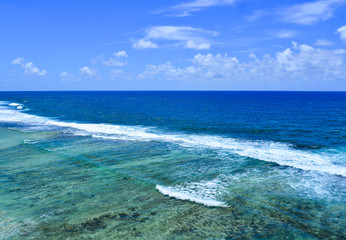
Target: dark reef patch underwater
172 165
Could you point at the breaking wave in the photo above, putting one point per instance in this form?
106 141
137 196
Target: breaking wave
205 192
279 153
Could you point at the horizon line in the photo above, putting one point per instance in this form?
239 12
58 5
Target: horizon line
172 91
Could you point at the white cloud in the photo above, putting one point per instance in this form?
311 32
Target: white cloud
29 67
142 43
198 46
66 76
185 9
323 42
18 60
215 61
177 33
113 62
183 36
342 31
310 12
87 71
121 54
299 63
284 33
117 60
169 71
256 15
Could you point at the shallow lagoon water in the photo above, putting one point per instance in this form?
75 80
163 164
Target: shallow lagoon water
65 175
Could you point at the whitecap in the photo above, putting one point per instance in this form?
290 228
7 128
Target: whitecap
280 153
13 104
205 192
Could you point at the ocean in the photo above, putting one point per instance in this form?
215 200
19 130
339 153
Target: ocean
172 165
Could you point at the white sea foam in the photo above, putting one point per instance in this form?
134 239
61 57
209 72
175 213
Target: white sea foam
28 141
14 104
260 185
205 192
263 150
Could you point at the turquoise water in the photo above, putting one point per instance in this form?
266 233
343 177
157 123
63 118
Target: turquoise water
172 165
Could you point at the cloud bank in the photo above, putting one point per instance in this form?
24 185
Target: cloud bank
298 63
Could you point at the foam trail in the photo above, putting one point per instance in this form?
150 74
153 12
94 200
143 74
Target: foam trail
266 151
200 192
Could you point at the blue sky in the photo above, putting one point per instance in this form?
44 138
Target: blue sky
173 45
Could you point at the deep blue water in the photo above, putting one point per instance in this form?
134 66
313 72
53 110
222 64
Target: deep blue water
278 155
305 119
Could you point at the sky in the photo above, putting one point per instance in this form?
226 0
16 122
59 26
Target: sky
173 45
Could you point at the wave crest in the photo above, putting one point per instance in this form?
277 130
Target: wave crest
275 152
